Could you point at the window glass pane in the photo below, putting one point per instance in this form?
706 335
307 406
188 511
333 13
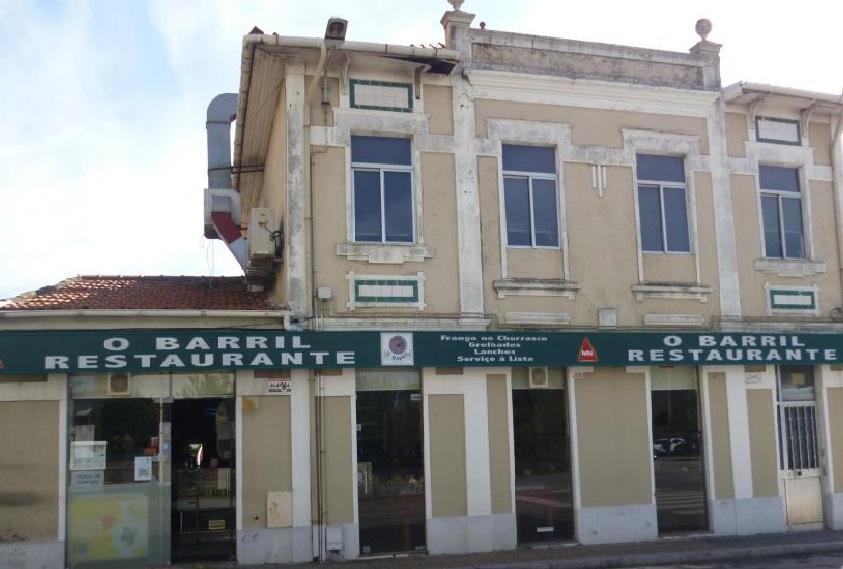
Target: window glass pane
776 178
797 383
772 234
398 206
380 150
529 159
661 168
794 244
650 213
544 213
676 220
517 208
367 205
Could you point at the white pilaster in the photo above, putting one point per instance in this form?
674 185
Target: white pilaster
300 435
296 269
724 224
468 201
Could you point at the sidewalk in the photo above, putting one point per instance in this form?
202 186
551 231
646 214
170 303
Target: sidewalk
660 552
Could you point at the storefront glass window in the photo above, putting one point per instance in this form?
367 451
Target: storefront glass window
118 472
677 450
543 498
128 503
390 464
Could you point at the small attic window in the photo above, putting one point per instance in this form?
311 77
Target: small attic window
777 131
381 95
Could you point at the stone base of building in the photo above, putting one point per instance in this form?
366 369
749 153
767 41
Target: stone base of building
29 555
471 534
276 545
617 524
747 516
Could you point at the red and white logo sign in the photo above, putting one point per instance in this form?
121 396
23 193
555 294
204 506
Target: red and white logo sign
587 352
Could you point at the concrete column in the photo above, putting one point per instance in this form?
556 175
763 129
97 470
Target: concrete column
296 269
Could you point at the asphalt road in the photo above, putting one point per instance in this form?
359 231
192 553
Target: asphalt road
824 561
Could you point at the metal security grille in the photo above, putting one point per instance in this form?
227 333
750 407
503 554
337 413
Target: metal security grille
798 430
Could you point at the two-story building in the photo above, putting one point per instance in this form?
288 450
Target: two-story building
508 291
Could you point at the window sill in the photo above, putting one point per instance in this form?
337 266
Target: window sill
789 267
385 253
536 287
672 291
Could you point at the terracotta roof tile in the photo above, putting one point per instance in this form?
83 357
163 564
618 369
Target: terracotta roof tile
142 293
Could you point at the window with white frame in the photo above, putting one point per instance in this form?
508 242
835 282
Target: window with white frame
662 204
382 187
529 191
781 212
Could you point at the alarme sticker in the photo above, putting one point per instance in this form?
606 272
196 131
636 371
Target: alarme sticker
587 352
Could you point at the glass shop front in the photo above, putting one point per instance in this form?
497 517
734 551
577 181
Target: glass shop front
151 469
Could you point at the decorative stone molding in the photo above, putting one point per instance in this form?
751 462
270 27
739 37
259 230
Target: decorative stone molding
787 299
790 267
672 291
536 287
674 319
385 253
539 318
385 291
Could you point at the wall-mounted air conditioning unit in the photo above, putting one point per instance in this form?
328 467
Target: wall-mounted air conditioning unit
119 384
538 378
261 233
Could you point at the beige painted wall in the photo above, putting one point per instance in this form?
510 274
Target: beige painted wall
439 105
603 255
448 493
820 138
762 442
500 466
590 126
613 429
440 231
835 420
835 424
319 114
274 191
267 454
338 489
745 207
721 448
29 470
534 263
736 134
669 268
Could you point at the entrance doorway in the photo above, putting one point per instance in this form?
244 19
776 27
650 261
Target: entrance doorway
543 498
798 456
390 461
677 451
203 509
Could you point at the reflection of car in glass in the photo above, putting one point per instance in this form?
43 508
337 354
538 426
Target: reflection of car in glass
676 444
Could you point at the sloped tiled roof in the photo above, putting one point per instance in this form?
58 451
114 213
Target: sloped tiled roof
142 293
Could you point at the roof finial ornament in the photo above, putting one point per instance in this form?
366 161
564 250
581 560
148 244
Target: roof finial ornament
456 4
703 28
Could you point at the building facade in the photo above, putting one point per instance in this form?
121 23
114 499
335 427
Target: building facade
513 290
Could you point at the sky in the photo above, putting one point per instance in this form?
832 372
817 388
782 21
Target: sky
102 104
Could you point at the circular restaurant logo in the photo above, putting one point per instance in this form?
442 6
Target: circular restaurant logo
396 348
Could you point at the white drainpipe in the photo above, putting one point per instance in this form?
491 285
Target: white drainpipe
222 201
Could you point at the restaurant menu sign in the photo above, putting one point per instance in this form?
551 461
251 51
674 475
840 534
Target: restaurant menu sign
197 350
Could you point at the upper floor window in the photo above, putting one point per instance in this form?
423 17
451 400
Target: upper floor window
529 191
778 131
662 204
382 187
781 212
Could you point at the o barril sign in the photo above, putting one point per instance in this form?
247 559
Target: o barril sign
181 350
